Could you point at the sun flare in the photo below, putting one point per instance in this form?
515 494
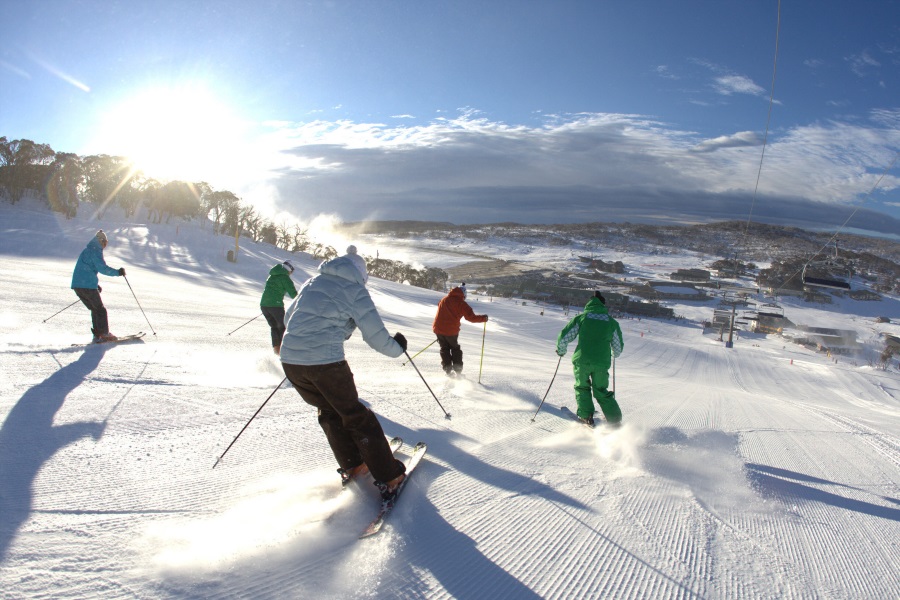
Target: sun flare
187 134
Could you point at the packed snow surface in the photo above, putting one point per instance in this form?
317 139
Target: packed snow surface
766 470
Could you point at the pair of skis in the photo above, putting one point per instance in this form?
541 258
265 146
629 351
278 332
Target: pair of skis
126 338
597 423
387 504
346 479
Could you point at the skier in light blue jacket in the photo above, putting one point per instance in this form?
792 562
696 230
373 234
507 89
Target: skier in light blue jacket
327 310
86 284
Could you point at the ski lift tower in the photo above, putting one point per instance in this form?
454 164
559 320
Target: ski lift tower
730 342
734 302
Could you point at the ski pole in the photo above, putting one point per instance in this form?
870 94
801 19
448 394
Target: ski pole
548 390
481 364
419 352
446 414
139 304
614 375
59 311
247 323
248 422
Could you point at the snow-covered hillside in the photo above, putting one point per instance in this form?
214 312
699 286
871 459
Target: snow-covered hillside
762 471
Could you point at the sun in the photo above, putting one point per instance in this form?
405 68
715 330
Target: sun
185 133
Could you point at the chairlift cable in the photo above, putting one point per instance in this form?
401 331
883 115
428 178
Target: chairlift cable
855 210
839 229
768 118
762 159
765 135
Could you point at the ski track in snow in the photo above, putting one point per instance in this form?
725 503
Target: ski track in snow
737 474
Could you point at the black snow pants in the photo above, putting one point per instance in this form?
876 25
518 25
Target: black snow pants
451 353
91 299
353 431
275 318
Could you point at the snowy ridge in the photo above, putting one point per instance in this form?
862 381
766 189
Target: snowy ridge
762 471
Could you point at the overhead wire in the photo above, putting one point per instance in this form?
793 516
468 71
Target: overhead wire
831 240
762 159
768 120
744 236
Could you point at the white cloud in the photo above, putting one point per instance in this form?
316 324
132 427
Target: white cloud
573 167
736 140
737 84
664 72
862 63
727 83
833 163
885 117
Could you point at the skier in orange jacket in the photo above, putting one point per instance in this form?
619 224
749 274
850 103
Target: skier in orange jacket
451 310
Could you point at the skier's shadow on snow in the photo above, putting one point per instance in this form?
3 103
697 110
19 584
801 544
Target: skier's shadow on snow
782 483
460 553
28 439
461 568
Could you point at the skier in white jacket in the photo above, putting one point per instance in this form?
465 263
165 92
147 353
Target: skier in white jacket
325 313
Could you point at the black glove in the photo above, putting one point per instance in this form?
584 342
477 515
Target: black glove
398 337
485 318
560 352
99 290
121 271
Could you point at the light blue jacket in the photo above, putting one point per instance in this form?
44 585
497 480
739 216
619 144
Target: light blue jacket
90 262
326 311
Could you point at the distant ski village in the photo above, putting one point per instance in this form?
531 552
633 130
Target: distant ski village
765 261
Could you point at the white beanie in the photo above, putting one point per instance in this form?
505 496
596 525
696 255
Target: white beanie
358 262
101 237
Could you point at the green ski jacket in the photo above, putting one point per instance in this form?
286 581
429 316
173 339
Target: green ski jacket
278 284
598 335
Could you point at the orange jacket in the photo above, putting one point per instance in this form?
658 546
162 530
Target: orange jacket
451 309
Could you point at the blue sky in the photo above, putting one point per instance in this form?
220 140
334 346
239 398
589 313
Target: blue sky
478 111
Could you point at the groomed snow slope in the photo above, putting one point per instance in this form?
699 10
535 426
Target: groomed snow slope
762 471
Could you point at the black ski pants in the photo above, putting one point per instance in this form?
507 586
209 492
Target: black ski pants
353 431
275 318
91 299
451 353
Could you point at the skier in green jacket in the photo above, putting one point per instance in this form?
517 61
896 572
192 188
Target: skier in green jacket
599 338
278 284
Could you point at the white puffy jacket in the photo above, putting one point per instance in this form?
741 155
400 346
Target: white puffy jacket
326 311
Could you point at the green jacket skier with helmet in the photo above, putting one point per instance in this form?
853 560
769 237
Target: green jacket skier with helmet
599 339
271 304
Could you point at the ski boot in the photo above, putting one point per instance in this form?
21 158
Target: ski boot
348 475
389 490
